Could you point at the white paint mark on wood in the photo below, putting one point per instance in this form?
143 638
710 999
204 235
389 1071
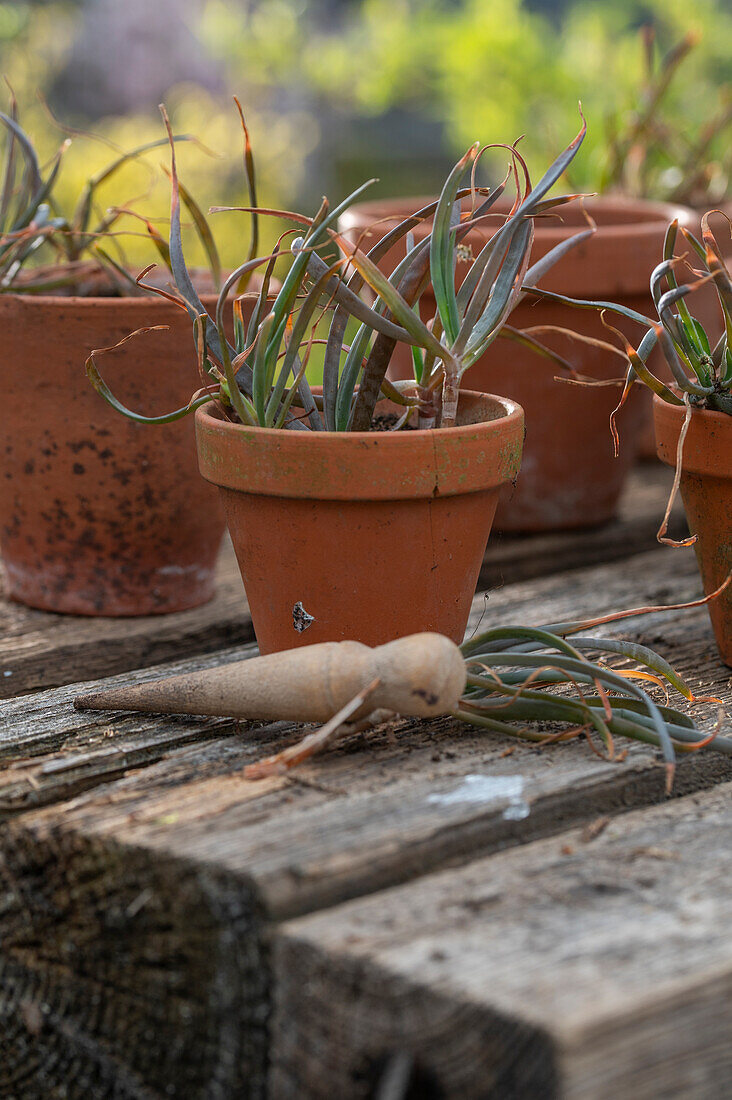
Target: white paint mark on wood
487 789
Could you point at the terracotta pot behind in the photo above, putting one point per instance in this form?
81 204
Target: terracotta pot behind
706 488
374 534
101 516
569 477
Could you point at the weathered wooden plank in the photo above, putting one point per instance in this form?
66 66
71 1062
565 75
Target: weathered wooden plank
46 722
135 918
591 966
158 964
49 751
39 651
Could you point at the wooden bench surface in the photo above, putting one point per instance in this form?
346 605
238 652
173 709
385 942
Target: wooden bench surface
39 651
154 903
597 964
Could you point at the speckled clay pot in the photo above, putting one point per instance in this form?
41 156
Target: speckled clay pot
706 489
569 476
361 535
98 515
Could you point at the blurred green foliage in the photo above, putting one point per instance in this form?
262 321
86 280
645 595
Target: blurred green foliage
492 69
35 42
311 73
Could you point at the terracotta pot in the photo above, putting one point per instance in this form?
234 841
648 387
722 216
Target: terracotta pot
569 476
375 534
101 516
706 488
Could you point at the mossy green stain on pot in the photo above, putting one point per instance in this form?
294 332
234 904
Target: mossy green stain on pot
374 465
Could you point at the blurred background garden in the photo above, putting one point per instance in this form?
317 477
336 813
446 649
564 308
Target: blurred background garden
335 91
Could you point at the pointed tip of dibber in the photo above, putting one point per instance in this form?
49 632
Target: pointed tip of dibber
111 699
87 702
421 676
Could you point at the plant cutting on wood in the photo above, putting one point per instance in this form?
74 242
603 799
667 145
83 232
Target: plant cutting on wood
527 682
693 413
362 509
99 517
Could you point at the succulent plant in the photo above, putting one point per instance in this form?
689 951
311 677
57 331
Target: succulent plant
261 377
25 213
700 364
45 249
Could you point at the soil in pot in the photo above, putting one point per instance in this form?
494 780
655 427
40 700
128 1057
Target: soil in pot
569 476
361 535
99 515
706 489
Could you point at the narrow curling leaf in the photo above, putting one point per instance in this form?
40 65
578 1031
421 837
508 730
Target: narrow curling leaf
251 184
299 329
356 306
203 231
442 246
261 369
104 391
177 259
547 262
394 301
501 299
80 217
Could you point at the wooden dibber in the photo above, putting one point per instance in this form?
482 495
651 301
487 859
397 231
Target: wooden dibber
419 676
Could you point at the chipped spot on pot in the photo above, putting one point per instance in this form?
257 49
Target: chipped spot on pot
301 619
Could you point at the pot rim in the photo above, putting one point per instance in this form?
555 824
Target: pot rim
659 216
363 465
708 443
512 411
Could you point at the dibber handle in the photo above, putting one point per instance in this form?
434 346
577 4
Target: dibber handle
422 675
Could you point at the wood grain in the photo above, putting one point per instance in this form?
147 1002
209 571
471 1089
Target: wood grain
590 966
139 898
48 751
